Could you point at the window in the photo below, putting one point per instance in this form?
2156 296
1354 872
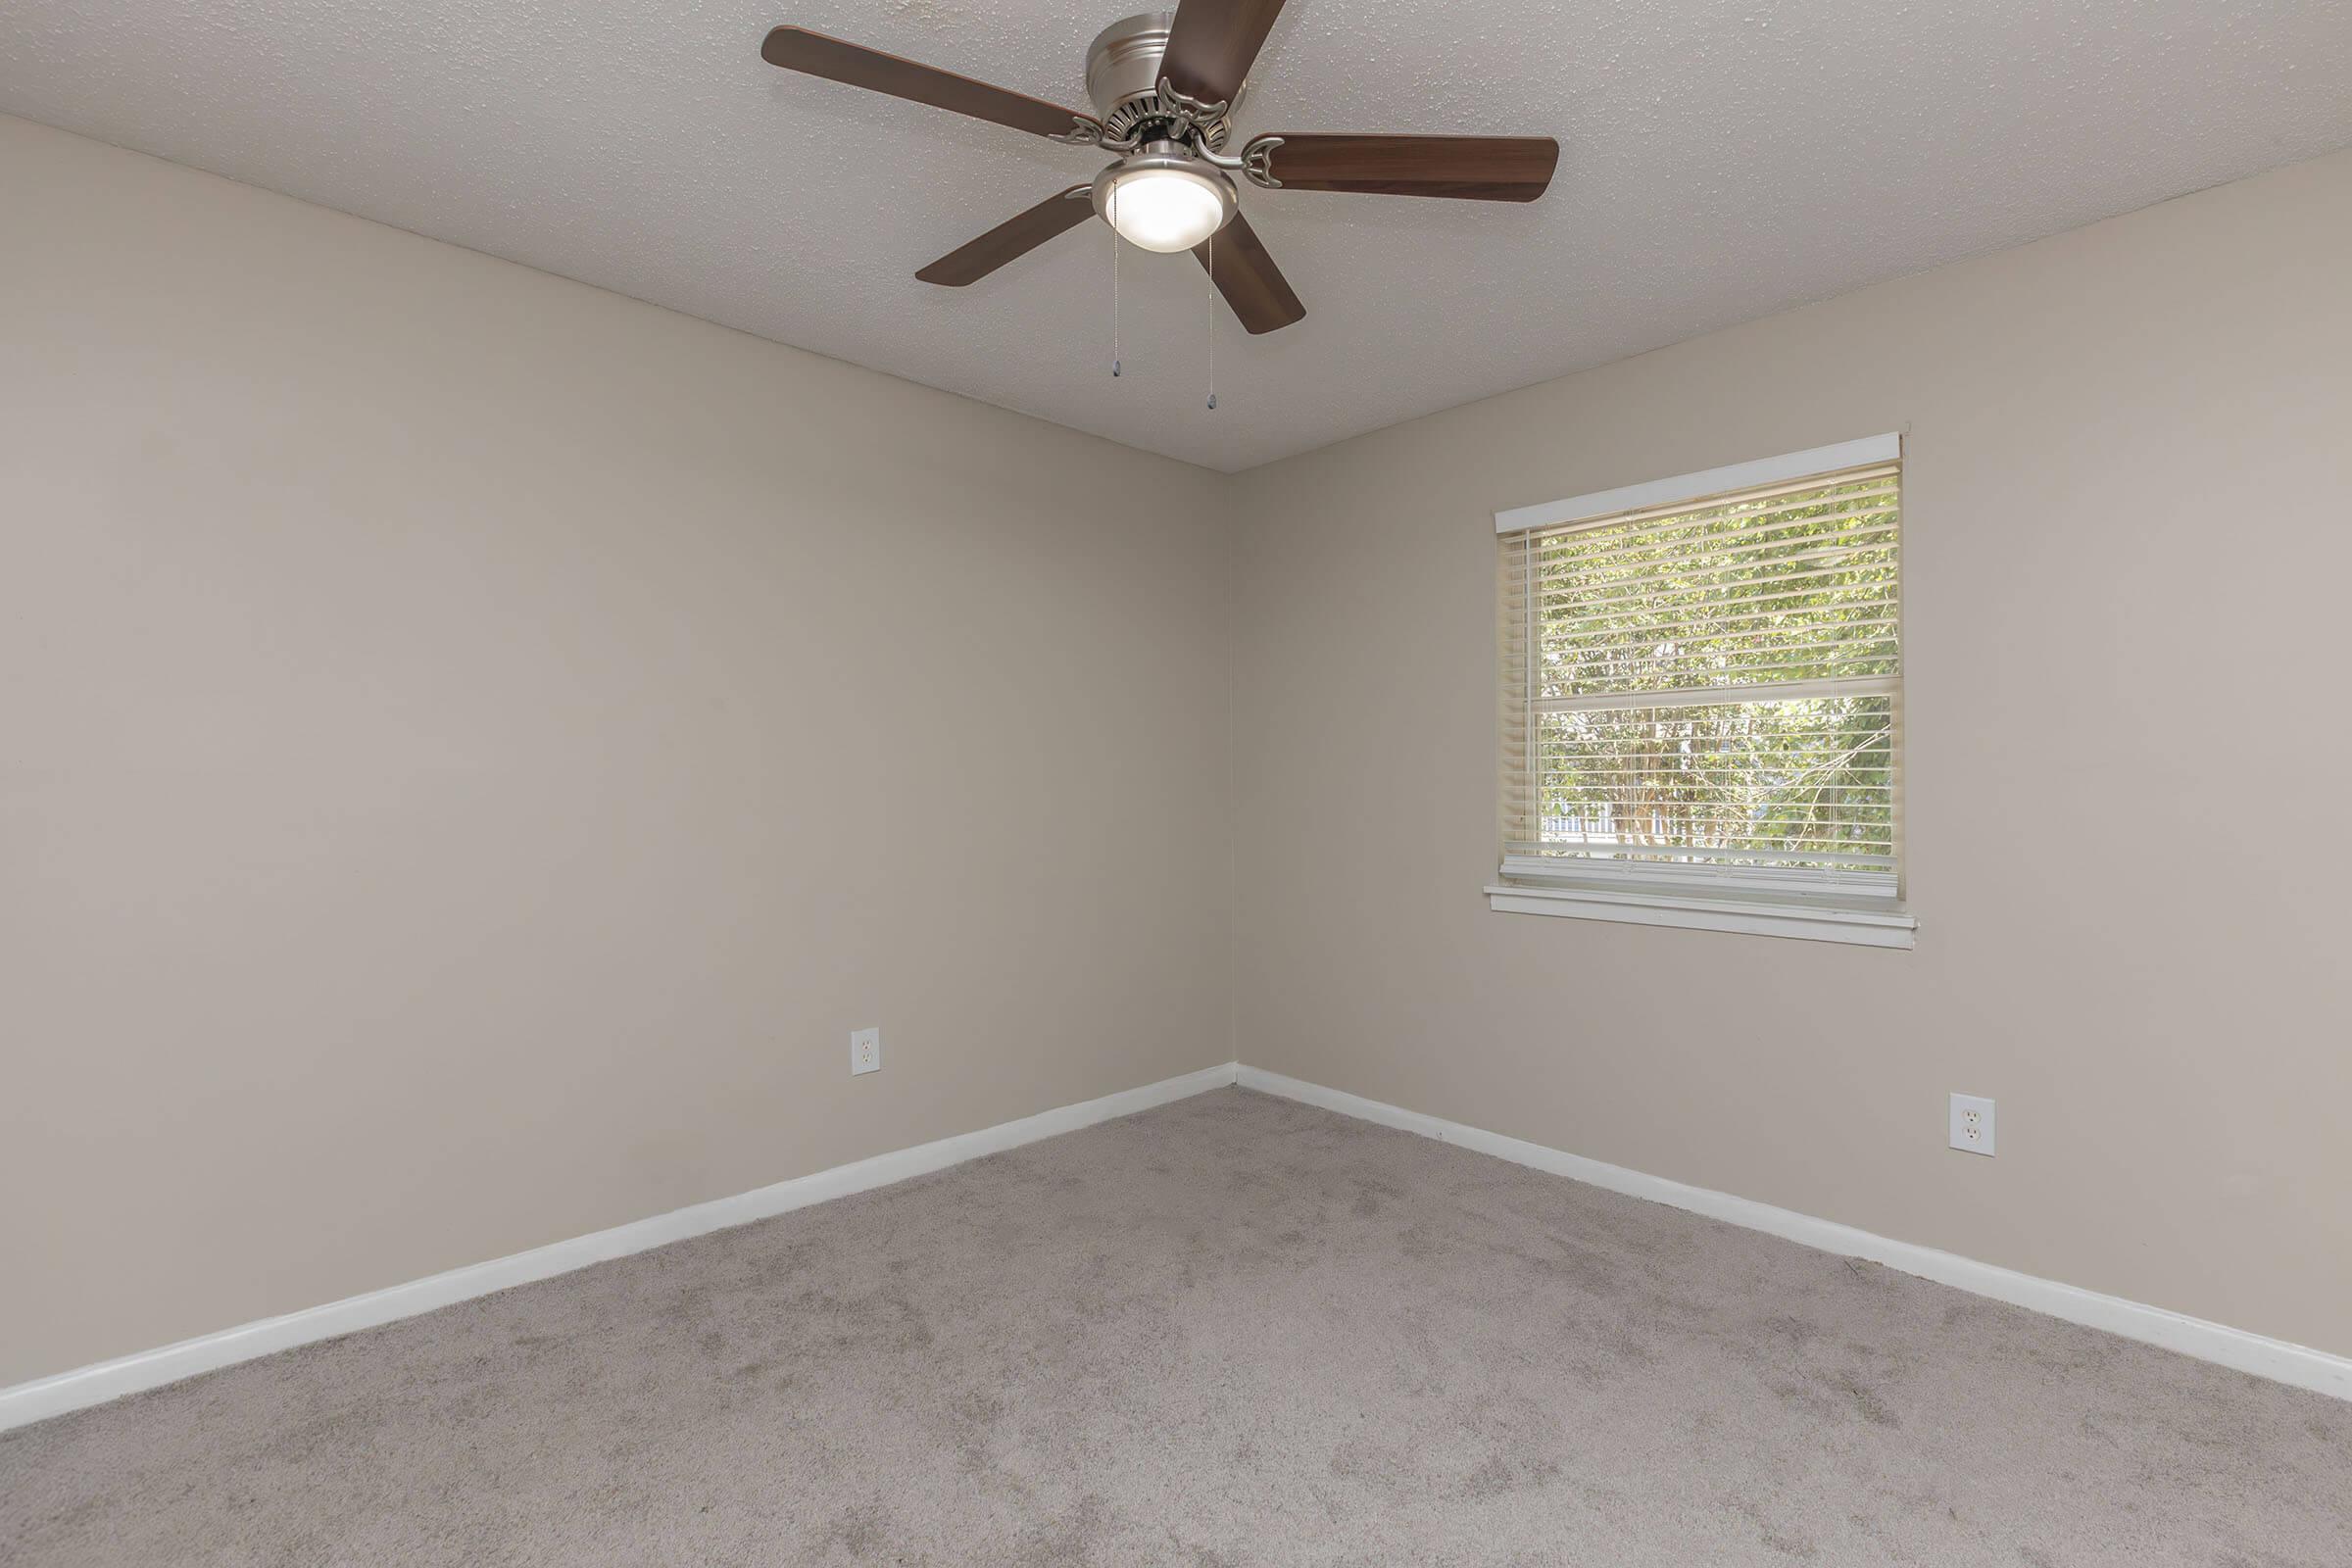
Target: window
1702 700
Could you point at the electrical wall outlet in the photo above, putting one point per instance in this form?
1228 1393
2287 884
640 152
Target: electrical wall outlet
865 1051
1972 1124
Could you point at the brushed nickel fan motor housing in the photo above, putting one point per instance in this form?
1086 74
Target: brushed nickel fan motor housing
1122 78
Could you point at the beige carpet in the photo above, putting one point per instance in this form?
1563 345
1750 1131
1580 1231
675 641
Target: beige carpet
1235 1329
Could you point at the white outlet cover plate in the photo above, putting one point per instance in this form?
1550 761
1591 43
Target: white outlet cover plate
865 1051
1972 1124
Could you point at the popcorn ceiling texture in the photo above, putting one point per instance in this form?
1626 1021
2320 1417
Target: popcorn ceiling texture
1721 161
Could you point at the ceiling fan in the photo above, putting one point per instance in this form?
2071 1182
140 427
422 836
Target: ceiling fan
1163 85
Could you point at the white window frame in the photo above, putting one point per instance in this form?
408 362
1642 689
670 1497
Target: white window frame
1752 899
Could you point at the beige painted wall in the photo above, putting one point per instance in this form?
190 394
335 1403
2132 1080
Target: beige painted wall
472 746
2127 549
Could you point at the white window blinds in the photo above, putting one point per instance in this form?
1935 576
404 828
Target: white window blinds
1704 696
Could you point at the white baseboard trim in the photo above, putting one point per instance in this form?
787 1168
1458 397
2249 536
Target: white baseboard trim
2277 1359
108 1380
2265 1357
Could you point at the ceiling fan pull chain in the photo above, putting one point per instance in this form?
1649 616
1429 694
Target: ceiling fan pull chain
1114 283
1213 320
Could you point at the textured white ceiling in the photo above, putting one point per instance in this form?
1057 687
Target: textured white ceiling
1720 160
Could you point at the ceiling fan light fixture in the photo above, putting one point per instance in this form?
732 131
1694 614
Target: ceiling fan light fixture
1163 85
1162 199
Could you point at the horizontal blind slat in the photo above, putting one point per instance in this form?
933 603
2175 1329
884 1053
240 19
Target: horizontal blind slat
1761 606
1719 630
1723 696
1791 532
1733 588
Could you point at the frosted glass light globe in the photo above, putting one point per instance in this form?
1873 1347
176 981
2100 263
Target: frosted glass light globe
1163 208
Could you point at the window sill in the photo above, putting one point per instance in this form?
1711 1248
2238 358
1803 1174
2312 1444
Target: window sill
1870 928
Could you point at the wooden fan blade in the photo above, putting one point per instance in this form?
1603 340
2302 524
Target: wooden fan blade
1238 264
1214 42
1479 168
799 49
1014 238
